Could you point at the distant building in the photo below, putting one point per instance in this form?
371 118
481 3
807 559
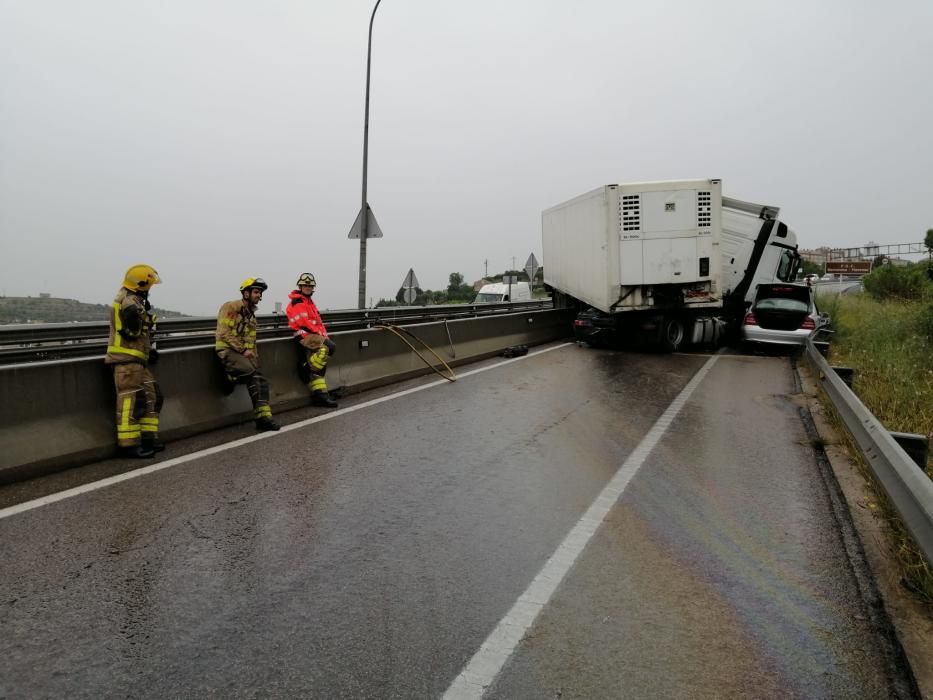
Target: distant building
45 295
817 255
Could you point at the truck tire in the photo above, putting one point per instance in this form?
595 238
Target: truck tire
671 334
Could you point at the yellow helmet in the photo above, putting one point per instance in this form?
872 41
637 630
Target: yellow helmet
254 283
306 279
140 278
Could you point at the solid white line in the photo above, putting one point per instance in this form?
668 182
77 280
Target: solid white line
167 464
486 664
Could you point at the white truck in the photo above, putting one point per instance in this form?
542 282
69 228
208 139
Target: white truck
499 292
667 262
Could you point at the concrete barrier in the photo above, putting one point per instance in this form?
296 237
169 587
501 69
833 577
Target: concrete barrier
54 416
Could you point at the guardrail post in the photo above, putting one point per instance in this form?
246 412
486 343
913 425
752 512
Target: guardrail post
846 374
917 446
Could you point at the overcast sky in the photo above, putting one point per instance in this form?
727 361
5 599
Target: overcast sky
222 139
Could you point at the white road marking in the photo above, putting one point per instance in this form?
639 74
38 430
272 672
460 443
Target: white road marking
492 656
176 461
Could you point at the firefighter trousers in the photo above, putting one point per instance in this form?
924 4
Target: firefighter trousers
245 370
315 363
139 401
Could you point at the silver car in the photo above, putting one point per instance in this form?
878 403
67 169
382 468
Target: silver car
782 314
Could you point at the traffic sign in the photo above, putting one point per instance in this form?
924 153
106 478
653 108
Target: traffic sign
372 228
410 285
848 267
531 268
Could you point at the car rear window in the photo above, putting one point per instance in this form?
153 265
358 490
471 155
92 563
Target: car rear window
781 304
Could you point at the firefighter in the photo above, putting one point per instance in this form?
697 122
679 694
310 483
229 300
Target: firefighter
316 346
236 347
130 353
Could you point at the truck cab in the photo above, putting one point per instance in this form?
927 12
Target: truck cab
779 260
757 248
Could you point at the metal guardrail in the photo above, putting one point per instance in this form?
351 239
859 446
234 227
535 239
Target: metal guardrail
909 488
58 341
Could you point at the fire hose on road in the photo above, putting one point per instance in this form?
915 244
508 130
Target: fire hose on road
402 333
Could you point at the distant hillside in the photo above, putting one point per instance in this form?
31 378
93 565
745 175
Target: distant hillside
51 310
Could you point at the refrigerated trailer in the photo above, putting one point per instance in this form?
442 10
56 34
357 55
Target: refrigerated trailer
673 259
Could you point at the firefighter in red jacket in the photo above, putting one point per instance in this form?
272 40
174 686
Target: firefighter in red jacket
305 320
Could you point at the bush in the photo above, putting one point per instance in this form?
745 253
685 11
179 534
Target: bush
899 283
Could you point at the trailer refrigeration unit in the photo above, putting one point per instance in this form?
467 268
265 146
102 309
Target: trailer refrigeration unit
667 262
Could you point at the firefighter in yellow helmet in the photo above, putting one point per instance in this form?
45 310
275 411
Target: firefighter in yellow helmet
130 353
236 347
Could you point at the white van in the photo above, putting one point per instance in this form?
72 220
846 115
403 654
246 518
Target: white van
498 292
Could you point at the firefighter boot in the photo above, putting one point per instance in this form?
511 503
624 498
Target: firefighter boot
136 452
322 399
266 423
152 443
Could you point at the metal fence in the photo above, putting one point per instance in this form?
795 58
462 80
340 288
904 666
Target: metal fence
59 341
908 487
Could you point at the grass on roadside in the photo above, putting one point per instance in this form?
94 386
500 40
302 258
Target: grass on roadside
892 355
890 347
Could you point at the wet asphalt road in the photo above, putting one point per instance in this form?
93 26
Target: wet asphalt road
370 555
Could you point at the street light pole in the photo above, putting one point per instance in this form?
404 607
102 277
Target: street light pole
364 208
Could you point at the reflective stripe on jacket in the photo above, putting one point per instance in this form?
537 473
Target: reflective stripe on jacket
303 316
130 329
236 327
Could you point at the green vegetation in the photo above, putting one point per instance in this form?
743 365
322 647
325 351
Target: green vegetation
910 283
457 291
52 310
890 345
886 335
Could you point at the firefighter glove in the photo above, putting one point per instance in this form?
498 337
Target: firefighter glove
153 356
331 346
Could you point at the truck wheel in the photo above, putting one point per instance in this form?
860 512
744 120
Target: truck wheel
671 334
